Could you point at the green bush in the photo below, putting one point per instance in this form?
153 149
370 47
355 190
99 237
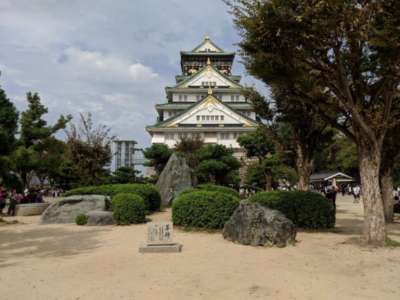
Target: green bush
203 209
213 188
305 209
128 209
148 192
81 219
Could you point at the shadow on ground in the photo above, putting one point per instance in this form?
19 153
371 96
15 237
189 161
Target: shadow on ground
45 242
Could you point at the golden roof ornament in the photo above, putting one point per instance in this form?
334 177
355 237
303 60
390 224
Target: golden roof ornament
206 38
208 61
210 90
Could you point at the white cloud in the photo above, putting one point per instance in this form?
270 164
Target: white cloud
98 66
111 58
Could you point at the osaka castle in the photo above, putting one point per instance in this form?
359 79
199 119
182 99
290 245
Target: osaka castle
206 101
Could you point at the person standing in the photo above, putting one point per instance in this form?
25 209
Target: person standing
14 200
3 196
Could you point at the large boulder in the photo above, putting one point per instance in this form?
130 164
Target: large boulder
175 178
255 225
97 217
67 209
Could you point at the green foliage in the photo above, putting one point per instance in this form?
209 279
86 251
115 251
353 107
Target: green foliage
257 143
148 192
217 165
38 151
81 219
208 187
88 151
254 176
203 209
124 175
34 129
8 124
128 209
188 148
262 145
306 209
340 156
158 156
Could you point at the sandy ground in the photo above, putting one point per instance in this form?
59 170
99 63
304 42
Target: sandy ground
71 262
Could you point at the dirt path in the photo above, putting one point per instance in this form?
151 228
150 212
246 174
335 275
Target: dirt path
71 262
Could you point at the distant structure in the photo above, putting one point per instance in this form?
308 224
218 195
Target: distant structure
207 101
123 154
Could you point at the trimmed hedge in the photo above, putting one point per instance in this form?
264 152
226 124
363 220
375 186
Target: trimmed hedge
203 209
148 192
81 219
306 209
213 188
128 209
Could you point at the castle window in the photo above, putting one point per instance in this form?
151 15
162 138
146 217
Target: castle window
198 118
222 118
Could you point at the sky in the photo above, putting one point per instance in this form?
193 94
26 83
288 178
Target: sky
112 58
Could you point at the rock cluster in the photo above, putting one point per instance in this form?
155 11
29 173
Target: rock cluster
96 218
67 209
256 225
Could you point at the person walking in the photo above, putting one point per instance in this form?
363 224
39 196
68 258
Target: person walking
356 194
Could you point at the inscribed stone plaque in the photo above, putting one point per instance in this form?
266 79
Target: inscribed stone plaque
159 233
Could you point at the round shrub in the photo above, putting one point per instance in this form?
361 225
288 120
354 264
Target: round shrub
128 209
148 192
81 219
203 209
306 209
213 188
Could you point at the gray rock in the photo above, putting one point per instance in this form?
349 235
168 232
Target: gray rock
67 209
175 178
255 225
96 218
31 209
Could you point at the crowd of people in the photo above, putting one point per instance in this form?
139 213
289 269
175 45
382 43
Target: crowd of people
13 198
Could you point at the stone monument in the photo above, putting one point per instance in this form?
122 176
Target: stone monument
160 238
175 178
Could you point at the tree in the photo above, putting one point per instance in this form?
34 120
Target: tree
8 130
260 144
217 165
124 175
34 129
349 53
188 147
157 156
35 139
340 155
391 155
308 133
89 150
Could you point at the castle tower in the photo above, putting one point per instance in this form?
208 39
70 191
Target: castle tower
205 102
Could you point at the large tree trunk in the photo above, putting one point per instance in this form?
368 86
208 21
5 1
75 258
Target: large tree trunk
374 219
304 166
387 193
